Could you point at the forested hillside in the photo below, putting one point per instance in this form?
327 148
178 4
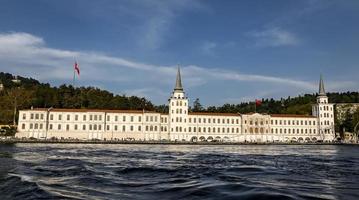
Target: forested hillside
30 92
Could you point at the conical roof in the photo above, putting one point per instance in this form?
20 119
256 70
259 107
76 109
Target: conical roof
321 86
178 86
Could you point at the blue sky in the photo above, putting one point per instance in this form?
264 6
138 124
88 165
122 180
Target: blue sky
229 51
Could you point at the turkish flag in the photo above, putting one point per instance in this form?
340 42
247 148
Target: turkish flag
258 102
77 68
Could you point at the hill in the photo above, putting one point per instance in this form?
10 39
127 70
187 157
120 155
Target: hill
30 92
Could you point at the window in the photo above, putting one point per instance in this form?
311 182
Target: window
108 127
31 126
131 128
76 117
95 127
139 128
116 118
131 118
59 127
42 116
115 127
68 117
60 117
95 117
36 116
75 127
23 126
67 127
41 126
24 116
90 117
90 127
123 128
108 118
50 126
84 127
99 127
84 117
100 117
139 118
51 117
31 116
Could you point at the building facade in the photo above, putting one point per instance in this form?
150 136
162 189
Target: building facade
179 124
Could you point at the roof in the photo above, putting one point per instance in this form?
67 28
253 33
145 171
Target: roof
178 86
321 87
214 114
90 110
292 115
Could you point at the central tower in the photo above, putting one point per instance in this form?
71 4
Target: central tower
178 112
324 111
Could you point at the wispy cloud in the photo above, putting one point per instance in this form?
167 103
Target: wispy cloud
208 47
26 54
273 37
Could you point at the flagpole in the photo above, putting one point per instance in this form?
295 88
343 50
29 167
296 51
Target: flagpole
73 80
255 106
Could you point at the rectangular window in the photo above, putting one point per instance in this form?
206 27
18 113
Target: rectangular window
95 117
99 127
67 127
36 116
42 116
84 117
23 126
31 116
41 126
59 127
139 118
84 127
24 116
139 128
31 126
108 118
75 127
60 117
68 117
76 117
124 118
100 117
116 118
90 117
131 118
108 127
115 127
51 117
50 126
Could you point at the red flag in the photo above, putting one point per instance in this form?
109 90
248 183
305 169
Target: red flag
77 68
258 102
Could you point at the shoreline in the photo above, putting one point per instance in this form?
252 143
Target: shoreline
15 141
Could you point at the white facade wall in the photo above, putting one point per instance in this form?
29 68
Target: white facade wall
295 128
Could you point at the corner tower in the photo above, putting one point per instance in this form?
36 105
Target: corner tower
178 111
324 111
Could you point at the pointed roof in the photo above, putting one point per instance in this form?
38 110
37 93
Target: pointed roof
178 86
321 87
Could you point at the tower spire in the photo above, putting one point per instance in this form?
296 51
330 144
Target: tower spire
178 86
321 87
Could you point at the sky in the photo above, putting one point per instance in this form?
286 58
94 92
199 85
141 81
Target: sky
228 51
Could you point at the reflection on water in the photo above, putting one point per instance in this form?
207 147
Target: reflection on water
95 171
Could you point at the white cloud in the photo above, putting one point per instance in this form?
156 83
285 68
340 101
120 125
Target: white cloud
273 37
28 55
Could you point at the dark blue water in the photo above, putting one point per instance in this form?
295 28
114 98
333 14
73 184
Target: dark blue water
87 171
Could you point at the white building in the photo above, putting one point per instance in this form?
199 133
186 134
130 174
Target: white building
179 124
